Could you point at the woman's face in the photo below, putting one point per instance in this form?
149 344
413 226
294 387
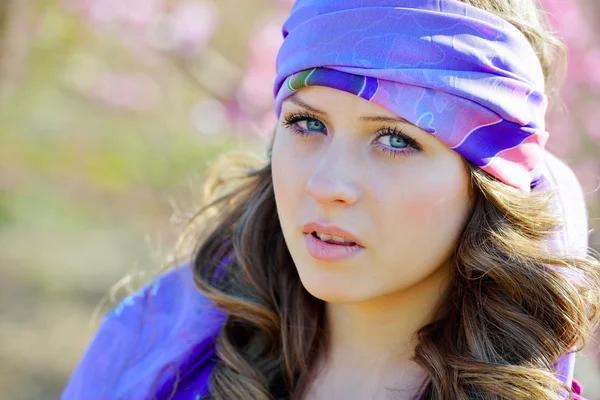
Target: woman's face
342 161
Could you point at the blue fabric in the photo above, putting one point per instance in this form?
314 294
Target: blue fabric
154 341
461 73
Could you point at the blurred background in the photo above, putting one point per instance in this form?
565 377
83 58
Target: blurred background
110 112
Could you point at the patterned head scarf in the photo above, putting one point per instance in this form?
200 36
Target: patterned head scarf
461 73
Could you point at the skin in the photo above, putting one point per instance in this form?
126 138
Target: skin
408 212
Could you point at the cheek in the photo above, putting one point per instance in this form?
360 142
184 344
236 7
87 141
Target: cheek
437 201
439 195
280 170
426 217
287 172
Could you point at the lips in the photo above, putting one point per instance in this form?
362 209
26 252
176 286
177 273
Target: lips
332 230
329 252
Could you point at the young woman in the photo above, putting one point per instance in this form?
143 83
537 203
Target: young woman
408 238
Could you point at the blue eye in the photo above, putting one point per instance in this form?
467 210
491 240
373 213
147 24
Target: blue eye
397 141
313 124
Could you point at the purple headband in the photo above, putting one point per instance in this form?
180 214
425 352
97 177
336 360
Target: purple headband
463 74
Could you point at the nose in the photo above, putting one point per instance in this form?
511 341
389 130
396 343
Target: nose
334 178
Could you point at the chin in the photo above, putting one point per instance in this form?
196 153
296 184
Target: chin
332 296
330 286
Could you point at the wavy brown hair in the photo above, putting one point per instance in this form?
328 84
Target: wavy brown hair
509 314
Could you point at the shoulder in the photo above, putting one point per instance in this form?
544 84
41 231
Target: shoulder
150 340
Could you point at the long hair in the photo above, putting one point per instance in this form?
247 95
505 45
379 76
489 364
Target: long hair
511 310
513 313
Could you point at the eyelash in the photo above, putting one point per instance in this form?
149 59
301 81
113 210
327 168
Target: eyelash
291 119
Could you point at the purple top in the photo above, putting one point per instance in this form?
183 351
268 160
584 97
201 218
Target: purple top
159 342
158 337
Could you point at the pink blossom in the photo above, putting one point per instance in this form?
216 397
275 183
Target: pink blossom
592 66
141 13
588 174
76 5
567 18
564 138
284 4
105 12
118 13
209 117
591 120
192 24
256 89
127 92
577 31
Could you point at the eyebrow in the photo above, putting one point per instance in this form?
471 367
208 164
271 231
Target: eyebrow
372 118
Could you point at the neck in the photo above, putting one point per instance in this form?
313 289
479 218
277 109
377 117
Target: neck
376 339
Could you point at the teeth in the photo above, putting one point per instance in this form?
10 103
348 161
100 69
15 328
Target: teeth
325 237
